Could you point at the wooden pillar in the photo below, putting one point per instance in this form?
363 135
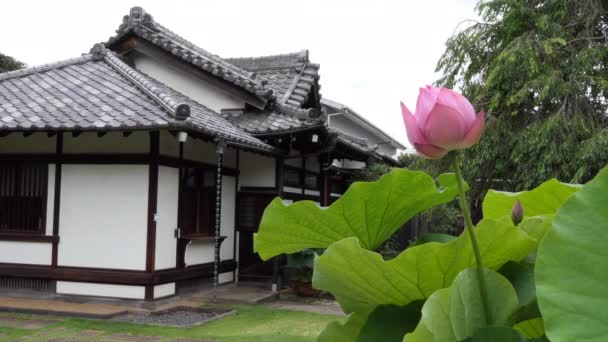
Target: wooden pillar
180 250
235 275
280 165
152 207
57 200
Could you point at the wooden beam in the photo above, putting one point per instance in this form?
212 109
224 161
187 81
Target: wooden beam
180 249
152 209
57 199
112 276
29 237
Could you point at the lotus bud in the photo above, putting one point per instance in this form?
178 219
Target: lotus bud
444 121
517 213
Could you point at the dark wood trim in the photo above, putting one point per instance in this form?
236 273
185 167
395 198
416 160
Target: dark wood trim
303 175
152 202
29 238
80 158
113 276
149 293
236 212
179 162
280 172
259 190
57 200
180 245
191 272
111 158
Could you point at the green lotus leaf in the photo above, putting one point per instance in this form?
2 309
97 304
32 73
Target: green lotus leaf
496 334
521 276
571 267
433 237
369 211
384 323
545 199
456 313
532 328
360 279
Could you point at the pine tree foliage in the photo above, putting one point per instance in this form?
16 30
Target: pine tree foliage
540 70
8 63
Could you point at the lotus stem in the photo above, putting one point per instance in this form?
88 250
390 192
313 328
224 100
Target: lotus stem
464 206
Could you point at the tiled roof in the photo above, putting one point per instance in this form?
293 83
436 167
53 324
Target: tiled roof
141 24
275 120
292 76
99 92
355 143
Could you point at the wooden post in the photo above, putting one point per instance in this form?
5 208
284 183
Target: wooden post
181 244
152 208
57 200
280 165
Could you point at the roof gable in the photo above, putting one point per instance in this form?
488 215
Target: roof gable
142 25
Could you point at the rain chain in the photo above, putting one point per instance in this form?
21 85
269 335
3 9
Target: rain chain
218 207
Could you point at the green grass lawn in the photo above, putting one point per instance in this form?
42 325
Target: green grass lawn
250 323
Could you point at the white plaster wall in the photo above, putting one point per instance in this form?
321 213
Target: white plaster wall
33 253
199 252
168 182
35 143
50 200
101 290
168 144
188 84
195 149
312 164
199 150
229 157
256 170
295 162
164 290
103 219
113 142
225 277
228 217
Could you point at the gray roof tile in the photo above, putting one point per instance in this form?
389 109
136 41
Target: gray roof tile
99 92
284 73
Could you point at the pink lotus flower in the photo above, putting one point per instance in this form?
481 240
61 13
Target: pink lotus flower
444 121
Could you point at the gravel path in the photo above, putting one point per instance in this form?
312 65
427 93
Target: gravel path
180 318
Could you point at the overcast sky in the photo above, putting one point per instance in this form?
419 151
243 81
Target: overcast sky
372 53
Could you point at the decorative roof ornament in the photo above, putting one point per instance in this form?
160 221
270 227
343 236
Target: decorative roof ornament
98 51
137 16
182 111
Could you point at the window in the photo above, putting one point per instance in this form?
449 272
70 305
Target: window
251 208
291 178
197 207
312 181
23 189
298 178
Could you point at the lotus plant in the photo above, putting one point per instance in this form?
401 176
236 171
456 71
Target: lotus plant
444 121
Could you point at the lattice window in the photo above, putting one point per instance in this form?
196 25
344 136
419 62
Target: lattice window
23 191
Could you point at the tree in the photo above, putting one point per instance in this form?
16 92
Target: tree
8 63
540 69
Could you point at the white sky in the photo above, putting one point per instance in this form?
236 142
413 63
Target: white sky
372 53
